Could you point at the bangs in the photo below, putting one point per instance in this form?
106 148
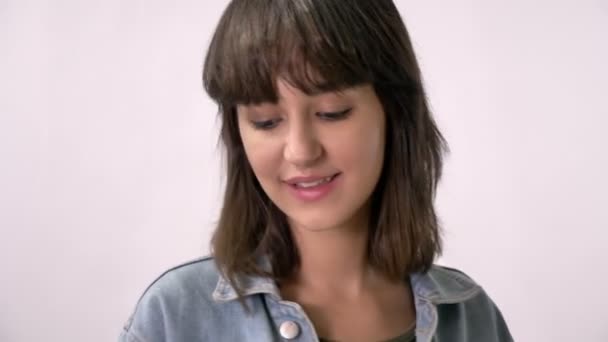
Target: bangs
314 45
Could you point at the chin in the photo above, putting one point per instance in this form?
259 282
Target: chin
314 224
317 228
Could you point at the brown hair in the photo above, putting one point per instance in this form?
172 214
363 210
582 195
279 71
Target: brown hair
324 45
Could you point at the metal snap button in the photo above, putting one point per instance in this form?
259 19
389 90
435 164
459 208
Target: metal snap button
289 330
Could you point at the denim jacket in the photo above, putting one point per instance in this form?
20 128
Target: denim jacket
194 303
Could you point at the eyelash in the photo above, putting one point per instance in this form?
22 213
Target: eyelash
328 116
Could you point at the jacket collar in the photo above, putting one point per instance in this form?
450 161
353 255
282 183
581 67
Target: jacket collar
250 285
443 285
440 285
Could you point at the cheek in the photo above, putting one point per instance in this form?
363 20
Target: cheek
360 150
264 166
263 156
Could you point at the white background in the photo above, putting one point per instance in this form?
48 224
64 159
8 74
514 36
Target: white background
110 171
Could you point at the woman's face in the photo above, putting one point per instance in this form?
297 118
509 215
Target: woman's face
319 157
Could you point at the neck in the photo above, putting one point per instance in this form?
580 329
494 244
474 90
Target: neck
333 259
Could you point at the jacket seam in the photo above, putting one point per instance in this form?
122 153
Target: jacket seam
468 295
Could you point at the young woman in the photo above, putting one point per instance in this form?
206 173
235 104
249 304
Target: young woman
328 230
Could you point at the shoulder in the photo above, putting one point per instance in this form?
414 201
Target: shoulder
192 275
461 301
449 285
178 297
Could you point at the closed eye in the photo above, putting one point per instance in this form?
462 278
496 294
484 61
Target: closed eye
328 116
334 116
265 124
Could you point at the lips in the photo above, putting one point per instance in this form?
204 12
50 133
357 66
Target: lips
310 181
310 189
311 184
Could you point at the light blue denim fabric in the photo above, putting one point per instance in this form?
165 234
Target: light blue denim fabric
194 303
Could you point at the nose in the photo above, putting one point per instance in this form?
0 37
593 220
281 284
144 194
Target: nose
302 146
